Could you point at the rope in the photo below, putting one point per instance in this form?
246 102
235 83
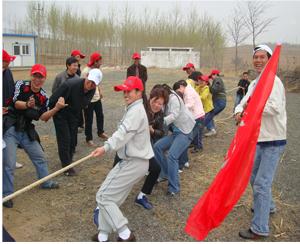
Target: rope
48 177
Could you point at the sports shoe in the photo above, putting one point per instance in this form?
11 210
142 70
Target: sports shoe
96 218
8 204
187 165
130 239
144 203
91 143
211 133
272 211
18 165
248 234
180 171
95 238
172 194
52 185
70 172
161 179
103 136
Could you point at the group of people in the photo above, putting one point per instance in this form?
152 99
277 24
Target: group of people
151 139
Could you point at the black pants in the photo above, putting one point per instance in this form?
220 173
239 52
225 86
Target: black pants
89 116
151 179
80 120
66 127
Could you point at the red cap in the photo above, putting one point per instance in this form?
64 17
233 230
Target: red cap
94 58
132 82
214 72
136 56
187 66
39 68
6 57
77 52
204 78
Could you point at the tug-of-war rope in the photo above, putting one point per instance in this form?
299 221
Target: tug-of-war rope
48 177
58 172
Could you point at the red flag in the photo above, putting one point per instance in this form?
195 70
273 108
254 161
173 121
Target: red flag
232 180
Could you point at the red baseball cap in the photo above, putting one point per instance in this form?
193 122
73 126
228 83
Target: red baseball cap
132 82
6 57
214 72
204 78
94 58
136 56
77 52
188 65
40 69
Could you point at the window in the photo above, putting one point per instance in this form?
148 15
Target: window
21 49
16 50
25 49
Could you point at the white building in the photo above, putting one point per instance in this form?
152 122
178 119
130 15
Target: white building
23 46
170 57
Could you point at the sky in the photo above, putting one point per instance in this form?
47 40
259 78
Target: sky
285 28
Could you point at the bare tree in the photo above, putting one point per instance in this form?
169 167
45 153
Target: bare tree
255 18
237 32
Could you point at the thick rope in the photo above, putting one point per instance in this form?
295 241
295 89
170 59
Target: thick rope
48 177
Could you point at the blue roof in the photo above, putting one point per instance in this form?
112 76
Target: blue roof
19 35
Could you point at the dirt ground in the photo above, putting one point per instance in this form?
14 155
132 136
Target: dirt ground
65 214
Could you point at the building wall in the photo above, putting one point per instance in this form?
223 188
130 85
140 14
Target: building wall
21 60
170 59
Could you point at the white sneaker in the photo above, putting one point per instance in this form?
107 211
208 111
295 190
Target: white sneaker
180 171
187 165
211 133
18 165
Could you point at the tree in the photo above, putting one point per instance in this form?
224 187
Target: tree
237 32
255 21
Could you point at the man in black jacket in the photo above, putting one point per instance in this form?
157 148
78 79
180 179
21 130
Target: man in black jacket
77 93
137 69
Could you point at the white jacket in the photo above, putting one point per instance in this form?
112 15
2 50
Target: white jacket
132 139
273 123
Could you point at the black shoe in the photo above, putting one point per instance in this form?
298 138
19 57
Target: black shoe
95 238
130 239
70 172
8 204
53 185
272 211
248 234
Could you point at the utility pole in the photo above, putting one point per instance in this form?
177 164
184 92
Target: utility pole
40 10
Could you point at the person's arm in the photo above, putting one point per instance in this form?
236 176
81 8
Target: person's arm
62 91
126 130
173 109
100 91
145 74
56 83
50 113
275 102
243 103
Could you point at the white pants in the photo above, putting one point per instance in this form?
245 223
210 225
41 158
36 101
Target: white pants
114 191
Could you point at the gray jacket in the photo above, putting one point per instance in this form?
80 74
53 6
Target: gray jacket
132 139
178 114
61 78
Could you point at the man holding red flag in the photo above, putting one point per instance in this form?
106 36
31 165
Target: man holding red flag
270 146
264 104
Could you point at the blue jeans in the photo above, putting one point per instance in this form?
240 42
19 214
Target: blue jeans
176 143
197 133
34 150
264 168
238 99
219 105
